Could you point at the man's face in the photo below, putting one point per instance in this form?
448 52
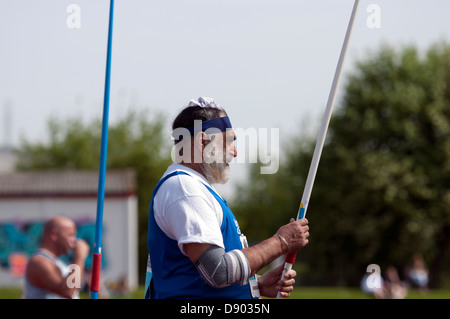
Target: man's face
66 234
217 155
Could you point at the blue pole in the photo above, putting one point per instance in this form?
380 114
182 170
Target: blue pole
97 255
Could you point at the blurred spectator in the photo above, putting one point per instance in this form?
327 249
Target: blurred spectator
418 273
120 287
46 275
393 286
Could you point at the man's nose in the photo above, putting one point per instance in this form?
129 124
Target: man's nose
234 150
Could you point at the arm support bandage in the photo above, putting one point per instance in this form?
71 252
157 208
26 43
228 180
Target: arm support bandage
220 269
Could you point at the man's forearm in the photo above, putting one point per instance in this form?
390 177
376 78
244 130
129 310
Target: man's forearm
264 253
79 261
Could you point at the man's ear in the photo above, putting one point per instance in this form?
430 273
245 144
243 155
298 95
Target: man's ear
200 141
53 234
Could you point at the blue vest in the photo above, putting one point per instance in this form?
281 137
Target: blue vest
173 274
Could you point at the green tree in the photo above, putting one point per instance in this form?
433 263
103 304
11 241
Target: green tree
382 191
136 141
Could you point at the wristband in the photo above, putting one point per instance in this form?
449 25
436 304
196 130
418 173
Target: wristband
284 240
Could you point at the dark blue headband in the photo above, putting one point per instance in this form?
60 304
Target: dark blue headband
220 123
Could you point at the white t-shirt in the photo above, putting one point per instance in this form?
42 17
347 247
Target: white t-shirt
185 209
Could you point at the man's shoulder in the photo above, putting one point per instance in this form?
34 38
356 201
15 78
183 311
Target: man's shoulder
39 267
40 260
184 181
184 172
183 185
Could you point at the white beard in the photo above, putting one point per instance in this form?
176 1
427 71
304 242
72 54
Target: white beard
216 169
216 173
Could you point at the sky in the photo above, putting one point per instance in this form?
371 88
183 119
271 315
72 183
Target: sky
269 63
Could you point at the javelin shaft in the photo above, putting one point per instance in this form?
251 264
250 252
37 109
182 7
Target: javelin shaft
97 255
290 258
326 120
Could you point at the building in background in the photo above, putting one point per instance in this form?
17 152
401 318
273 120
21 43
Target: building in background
29 199
7 159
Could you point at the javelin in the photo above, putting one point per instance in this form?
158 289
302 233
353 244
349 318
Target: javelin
97 255
290 258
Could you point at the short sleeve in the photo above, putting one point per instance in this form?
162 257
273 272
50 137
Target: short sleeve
192 220
187 212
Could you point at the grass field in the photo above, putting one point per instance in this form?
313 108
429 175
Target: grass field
299 293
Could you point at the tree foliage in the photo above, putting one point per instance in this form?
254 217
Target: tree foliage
135 141
382 191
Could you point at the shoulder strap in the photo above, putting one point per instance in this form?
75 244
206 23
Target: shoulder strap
45 254
162 180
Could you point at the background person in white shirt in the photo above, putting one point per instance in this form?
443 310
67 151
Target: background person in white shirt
46 274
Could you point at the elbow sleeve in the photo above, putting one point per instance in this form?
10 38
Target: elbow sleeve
220 269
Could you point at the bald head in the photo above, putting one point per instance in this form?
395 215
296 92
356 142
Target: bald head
59 235
57 223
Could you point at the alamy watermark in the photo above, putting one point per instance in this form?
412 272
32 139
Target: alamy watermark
373 281
257 145
73 280
73 21
374 19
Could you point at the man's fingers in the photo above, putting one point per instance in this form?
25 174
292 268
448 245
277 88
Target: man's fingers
290 274
289 279
286 290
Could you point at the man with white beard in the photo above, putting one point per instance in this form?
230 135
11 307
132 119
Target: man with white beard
196 248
